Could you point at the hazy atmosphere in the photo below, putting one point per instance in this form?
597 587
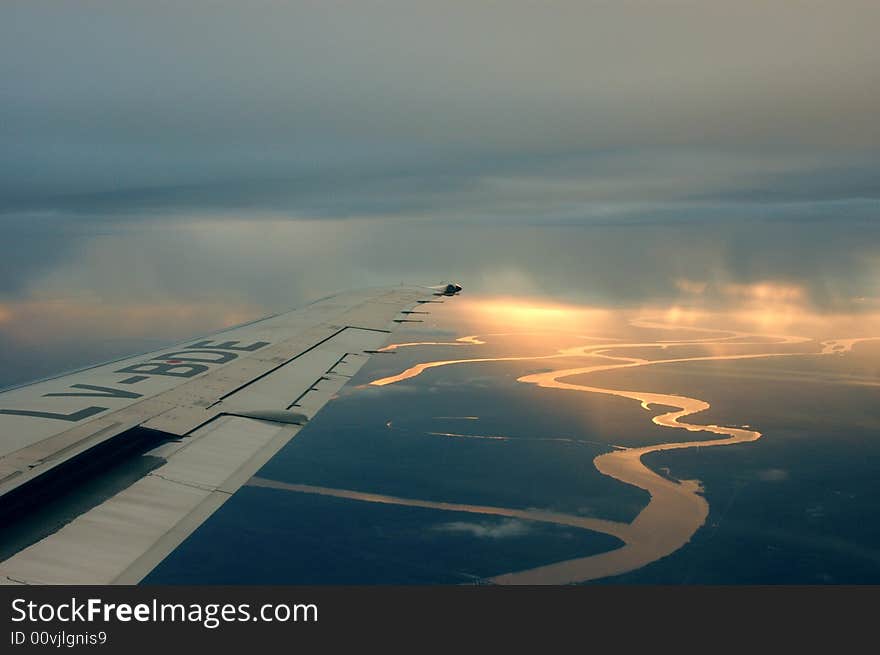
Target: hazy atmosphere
171 168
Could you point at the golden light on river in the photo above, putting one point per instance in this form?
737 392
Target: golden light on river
756 322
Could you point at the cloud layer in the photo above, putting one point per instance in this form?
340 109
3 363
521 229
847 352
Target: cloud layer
219 158
435 109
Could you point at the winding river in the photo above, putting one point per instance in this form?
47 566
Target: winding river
676 509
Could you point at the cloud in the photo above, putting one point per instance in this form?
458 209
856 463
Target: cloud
695 287
435 109
773 475
503 529
220 155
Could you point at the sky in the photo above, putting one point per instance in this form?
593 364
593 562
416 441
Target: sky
169 168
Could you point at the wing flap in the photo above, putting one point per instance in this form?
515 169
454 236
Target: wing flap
286 387
122 539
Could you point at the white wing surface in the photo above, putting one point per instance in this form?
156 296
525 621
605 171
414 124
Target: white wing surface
220 407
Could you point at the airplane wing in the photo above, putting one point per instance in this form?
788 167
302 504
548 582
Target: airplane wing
209 412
